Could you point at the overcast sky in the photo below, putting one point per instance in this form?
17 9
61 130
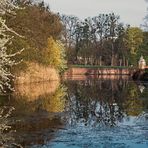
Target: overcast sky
130 11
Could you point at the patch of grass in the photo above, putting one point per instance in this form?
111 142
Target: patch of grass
97 66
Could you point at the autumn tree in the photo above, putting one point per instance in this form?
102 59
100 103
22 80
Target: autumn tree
54 54
40 26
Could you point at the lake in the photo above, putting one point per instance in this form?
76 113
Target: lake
79 113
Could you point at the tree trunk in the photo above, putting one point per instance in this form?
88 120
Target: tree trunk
100 60
120 62
127 62
124 63
112 59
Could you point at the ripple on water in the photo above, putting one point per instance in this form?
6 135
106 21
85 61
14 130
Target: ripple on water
123 136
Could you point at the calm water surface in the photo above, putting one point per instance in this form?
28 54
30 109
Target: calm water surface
87 113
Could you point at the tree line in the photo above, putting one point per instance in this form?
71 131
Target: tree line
55 39
102 40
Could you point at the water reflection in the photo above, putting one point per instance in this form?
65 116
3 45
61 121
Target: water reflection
103 103
33 90
104 113
90 105
36 117
80 113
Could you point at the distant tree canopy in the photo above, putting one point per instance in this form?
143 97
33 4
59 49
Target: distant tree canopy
97 40
101 40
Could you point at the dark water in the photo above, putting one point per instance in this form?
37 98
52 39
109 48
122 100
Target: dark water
92 113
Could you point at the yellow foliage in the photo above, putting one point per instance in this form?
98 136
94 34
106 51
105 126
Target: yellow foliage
53 102
134 39
133 106
55 54
57 101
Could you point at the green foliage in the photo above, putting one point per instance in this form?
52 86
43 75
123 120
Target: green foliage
144 47
96 66
133 39
55 102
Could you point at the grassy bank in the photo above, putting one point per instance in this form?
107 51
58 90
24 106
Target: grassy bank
97 66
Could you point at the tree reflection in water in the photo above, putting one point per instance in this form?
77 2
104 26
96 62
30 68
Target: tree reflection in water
36 117
74 109
103 102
